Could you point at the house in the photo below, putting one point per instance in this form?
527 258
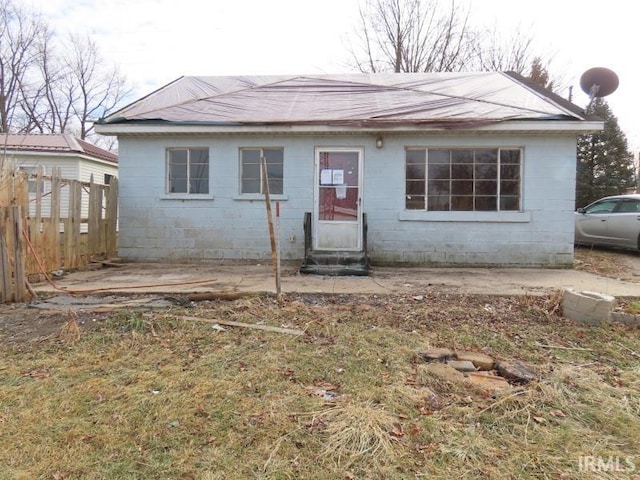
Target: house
76 159
424 168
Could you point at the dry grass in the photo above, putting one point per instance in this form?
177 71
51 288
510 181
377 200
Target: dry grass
360 433
602 261
151 396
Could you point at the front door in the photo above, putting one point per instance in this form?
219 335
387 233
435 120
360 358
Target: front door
337 196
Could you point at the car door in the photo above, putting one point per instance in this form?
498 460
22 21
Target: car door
592 222
623 225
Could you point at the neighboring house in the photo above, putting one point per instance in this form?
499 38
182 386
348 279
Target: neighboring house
76 159
449 168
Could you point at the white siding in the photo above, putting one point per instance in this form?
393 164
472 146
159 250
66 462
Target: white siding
153 227
87 168
71 167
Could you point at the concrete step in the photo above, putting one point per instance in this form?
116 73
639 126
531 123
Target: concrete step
336 263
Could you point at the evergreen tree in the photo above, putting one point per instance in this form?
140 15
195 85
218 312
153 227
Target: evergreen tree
604 164
540 75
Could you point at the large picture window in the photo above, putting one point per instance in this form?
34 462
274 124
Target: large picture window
188 170
481 179
251 170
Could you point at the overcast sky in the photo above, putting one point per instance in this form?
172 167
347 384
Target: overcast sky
156 41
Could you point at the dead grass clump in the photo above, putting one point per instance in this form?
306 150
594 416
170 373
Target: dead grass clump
130 322
359 433
629 305
589 398
70 331
571 410
547 305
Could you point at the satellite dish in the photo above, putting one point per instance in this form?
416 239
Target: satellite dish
599 82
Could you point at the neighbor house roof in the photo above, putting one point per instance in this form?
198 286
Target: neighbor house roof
54 143
381 100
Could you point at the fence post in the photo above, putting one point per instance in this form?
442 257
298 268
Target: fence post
95 214
5 280
111 217
72 228
54 225
33 226
19 259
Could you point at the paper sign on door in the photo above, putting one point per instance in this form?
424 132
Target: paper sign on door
326 176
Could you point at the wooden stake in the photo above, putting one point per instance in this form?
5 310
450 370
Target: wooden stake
274 249
558 347
288 331
200 297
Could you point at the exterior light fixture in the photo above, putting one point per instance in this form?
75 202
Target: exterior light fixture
379 141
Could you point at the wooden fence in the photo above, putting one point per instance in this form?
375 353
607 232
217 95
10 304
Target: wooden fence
49 223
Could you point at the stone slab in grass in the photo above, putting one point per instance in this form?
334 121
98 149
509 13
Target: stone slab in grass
480 360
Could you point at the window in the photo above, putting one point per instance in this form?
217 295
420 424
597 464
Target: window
31 172
251 170
603 206
481 179
188 170
629 206
107 178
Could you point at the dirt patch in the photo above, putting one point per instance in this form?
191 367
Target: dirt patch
21 322
47 317
611 263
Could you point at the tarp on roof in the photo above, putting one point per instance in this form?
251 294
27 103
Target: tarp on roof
447 99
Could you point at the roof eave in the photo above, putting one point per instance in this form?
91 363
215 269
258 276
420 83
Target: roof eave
66 154
512 126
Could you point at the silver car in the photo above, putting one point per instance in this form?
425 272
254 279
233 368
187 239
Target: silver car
611 221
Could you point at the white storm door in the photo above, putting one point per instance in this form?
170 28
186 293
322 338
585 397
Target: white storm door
337 199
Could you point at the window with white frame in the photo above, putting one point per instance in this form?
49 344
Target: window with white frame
31 172
188 170
251 174
470 179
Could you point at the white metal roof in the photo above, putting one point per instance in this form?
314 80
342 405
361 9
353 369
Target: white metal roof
57 143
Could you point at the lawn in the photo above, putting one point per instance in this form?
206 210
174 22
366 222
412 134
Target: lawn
142 394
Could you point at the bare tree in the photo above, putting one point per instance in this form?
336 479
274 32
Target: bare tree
437 36
71 87
499 53
515 53
412 36
20 32
47 86
42 101
91 89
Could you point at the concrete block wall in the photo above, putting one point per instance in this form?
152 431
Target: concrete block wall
226 226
